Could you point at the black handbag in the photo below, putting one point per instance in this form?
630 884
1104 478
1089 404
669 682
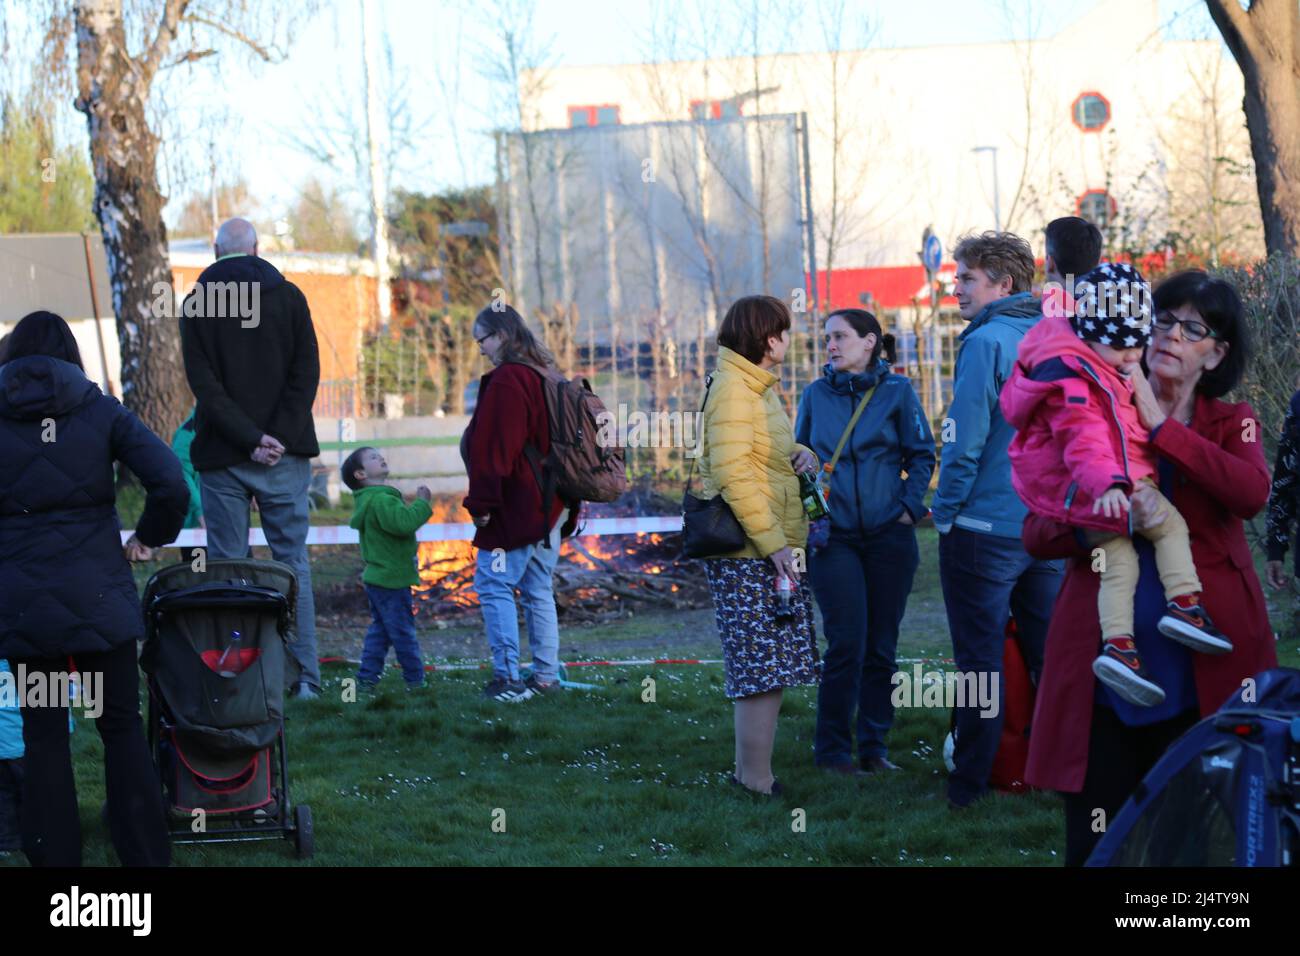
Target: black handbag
709 527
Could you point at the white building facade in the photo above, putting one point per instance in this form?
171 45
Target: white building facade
1091 121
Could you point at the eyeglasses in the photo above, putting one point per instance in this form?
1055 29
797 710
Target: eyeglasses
485 338
1193 330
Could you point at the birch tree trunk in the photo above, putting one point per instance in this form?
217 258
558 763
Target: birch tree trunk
113 89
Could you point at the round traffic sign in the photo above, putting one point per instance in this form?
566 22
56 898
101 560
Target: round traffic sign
932 254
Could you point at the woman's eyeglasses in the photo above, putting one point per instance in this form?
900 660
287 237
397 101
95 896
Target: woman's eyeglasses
485 338
1193 330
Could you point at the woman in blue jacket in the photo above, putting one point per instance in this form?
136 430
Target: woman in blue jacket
862 576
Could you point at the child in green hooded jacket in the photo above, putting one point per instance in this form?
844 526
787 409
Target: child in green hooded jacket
388 546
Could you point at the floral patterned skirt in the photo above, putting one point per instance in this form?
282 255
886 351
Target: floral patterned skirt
759 651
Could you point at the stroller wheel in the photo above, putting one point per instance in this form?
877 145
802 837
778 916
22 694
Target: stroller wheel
304 839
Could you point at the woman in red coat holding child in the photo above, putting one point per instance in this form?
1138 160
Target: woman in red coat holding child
1087 741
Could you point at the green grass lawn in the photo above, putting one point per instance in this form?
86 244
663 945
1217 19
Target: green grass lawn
603 777
596 778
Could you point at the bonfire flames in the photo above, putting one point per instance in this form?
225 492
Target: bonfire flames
598 579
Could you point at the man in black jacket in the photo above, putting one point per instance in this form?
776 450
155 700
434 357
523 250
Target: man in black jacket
252 363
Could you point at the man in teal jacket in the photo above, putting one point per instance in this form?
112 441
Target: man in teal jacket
984 570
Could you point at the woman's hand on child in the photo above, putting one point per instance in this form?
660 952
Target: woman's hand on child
1147 509
1112 504
1149 411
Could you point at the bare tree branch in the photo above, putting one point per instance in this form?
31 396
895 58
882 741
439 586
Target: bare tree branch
173 12
268 53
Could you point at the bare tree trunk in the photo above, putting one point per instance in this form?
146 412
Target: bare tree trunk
462 361
560 334
112 91
1265 42
434 353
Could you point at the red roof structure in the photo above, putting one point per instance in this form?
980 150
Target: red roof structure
890 287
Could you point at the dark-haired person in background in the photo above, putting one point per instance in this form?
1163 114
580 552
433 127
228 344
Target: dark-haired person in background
1087 741
983 568
66 589
749 457
863 575
518 536
1073 248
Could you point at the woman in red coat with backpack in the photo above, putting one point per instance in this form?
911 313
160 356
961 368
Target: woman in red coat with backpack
518 536
1086 741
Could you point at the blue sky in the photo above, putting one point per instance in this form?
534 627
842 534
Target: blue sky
250 116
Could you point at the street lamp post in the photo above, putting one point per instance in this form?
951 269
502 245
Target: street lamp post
997 202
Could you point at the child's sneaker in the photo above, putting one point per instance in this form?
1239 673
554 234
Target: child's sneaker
1120 669
1186 622
506 691
540 689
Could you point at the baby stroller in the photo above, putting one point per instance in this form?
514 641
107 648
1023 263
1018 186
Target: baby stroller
1226 793
214 656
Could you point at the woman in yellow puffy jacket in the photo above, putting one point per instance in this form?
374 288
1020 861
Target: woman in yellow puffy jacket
749 456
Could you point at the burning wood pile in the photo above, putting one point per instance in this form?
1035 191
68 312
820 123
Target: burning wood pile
597 580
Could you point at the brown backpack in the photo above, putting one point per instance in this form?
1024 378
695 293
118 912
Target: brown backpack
578 466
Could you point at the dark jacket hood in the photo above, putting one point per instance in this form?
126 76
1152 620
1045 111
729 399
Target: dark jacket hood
1022 309
243 269
36 386
855 383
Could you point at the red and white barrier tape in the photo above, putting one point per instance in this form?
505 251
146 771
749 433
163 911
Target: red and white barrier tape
647 662
342 534
485 665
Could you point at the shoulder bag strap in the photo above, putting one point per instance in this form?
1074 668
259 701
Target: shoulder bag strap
862 405
690 475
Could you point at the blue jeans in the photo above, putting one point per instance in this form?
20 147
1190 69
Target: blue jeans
497 574
986 580
392 624
861 585
281 493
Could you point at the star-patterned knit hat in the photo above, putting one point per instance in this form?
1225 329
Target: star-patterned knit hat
1112 305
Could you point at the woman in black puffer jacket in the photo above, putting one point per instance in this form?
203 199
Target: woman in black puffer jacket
67 597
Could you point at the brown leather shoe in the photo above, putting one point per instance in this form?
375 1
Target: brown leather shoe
875 764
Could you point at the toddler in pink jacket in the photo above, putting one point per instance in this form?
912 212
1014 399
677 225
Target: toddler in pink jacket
1080 450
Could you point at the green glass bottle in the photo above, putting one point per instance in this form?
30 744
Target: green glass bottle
814 502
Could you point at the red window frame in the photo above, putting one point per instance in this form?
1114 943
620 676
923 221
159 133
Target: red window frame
592 112
1112 207
715 108
1074 109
